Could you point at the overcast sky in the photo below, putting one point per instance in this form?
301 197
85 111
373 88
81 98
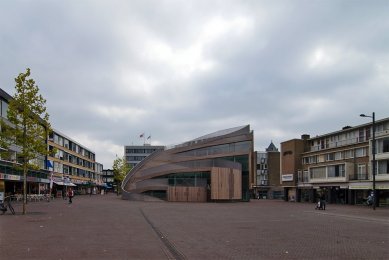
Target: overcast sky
177 70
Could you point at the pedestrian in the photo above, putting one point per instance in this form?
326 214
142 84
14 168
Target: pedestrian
323 201
71 194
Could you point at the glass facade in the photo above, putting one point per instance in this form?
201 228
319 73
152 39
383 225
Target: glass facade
212 167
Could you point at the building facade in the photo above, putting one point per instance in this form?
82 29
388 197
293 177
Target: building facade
108 179
214 167
134 154
339 165
291 164
11 177
73 165
268 184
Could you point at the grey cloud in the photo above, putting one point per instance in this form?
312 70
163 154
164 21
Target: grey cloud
81 53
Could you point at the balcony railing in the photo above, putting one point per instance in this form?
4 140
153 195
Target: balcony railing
359 177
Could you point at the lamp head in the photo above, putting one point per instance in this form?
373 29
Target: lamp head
362 115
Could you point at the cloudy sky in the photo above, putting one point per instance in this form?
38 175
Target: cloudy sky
177 70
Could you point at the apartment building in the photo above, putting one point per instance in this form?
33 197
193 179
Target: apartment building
339 165
73 165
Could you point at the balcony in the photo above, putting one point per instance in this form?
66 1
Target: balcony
335 144
359 177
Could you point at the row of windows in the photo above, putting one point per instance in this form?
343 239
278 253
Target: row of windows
107 172
66 169
146 151
135 158
261 172
105 179
347 154
339 171
262 181
64 142
64 156
330 171
347 138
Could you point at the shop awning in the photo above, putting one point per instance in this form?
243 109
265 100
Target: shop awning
65 184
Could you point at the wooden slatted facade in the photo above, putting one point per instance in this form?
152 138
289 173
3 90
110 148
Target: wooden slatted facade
187 194
226 184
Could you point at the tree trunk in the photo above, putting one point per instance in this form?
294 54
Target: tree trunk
24 188
24 168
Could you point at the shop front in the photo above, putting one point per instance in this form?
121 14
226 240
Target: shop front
61 186
360 191
335 193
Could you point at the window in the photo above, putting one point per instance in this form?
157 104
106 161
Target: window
361 173
336 171
383 167
383 145
56 137
348 154
58 167
313 159
361 137
330 157
60 140
4 108
360 152
305 160
338 156
318 173
305 176
66 143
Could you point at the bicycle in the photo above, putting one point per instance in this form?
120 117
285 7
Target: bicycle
7 205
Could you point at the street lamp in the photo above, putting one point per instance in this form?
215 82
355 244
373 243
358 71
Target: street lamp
373 152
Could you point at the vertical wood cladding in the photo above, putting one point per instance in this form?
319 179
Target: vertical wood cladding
187 194
226 184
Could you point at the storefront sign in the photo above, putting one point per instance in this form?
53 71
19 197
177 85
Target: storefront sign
382 187
360 187
4 176
287 177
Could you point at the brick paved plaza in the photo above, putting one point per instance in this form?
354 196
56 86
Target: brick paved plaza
106 227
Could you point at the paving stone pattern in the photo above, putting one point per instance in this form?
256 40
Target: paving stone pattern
106 227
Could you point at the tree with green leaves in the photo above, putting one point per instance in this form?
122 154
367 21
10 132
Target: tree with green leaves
120 169
27 128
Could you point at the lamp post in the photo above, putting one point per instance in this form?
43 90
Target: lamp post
373 153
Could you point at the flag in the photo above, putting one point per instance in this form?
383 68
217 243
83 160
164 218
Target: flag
141 136
49 164
149 137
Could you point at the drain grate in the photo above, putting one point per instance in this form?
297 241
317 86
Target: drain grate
169 245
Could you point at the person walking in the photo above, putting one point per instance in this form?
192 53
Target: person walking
323 201
70 195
